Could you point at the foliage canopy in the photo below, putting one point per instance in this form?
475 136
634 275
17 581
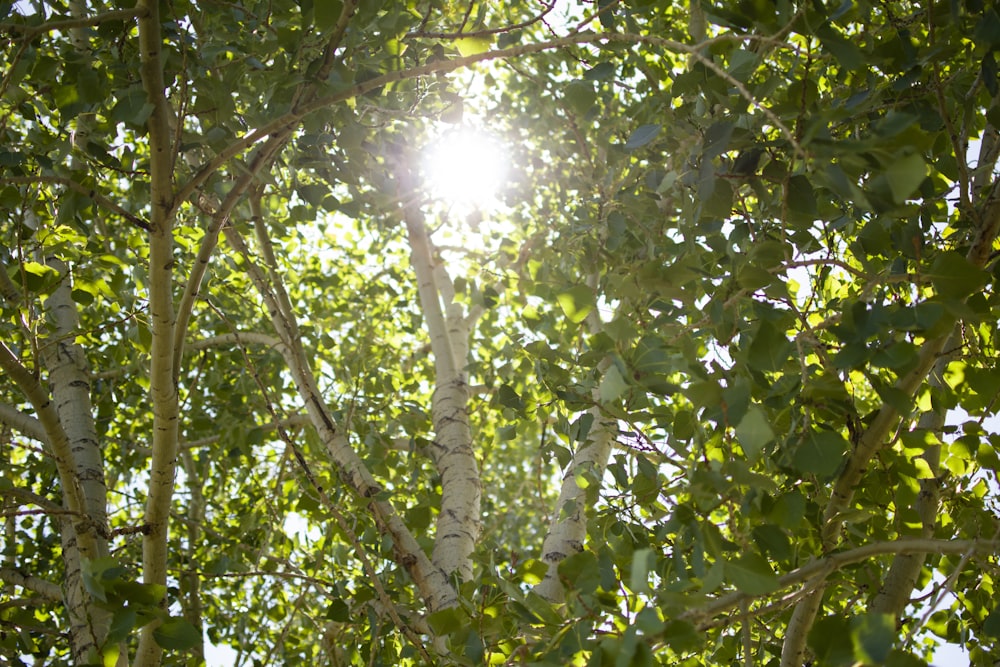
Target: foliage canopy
711 385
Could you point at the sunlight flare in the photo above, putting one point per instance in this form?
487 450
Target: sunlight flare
466 167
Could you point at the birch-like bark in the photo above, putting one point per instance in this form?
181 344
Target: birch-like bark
901 579
190 583
431 582
69 379
163 386
904 572
876 436
458 523
568 528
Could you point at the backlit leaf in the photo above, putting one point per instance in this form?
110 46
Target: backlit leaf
821 454
577 302
641 136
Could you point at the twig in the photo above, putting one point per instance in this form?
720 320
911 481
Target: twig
27 32
92 193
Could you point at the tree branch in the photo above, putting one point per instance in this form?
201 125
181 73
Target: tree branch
459 521
433 584
821 568
27 32
49 419
46 589
91 193
444 66
210 240
23 423
162 385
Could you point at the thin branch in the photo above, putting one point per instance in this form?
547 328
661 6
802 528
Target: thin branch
33 498
47 416
211 239
291 118
549 6
346 14
27 32
92 193
45 588
822 568
23 423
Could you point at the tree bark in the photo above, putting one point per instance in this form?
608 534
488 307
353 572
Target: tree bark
162 379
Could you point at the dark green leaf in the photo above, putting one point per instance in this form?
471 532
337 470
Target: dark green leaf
326 13
769 349
954 277
751 574
754 432
716 140
641 136
873 636
905 175
176 634
821 454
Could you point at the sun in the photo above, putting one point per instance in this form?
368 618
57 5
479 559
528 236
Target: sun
465 167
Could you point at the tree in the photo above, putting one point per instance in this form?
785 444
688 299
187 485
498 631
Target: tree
712 386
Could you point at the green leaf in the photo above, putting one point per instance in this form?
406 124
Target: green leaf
133 107
326 13
754 432
844 50
471 46
601 71
338 611
581 572
801 200
751 574
716 140
905 175
613 384
641 136
507 397
898 658
580 96
873 636
683 637
140 594
988 28
827 640
769 349
991 625
577 302
176 634
642 561
122 623
37 276
821 454
954 277
448 620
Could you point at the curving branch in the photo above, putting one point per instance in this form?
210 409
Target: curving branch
567 532
816 571
434 586
291 119
23 423
459 520
210 241
91 193
49 419
27 32
875 437
547 7
46 589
